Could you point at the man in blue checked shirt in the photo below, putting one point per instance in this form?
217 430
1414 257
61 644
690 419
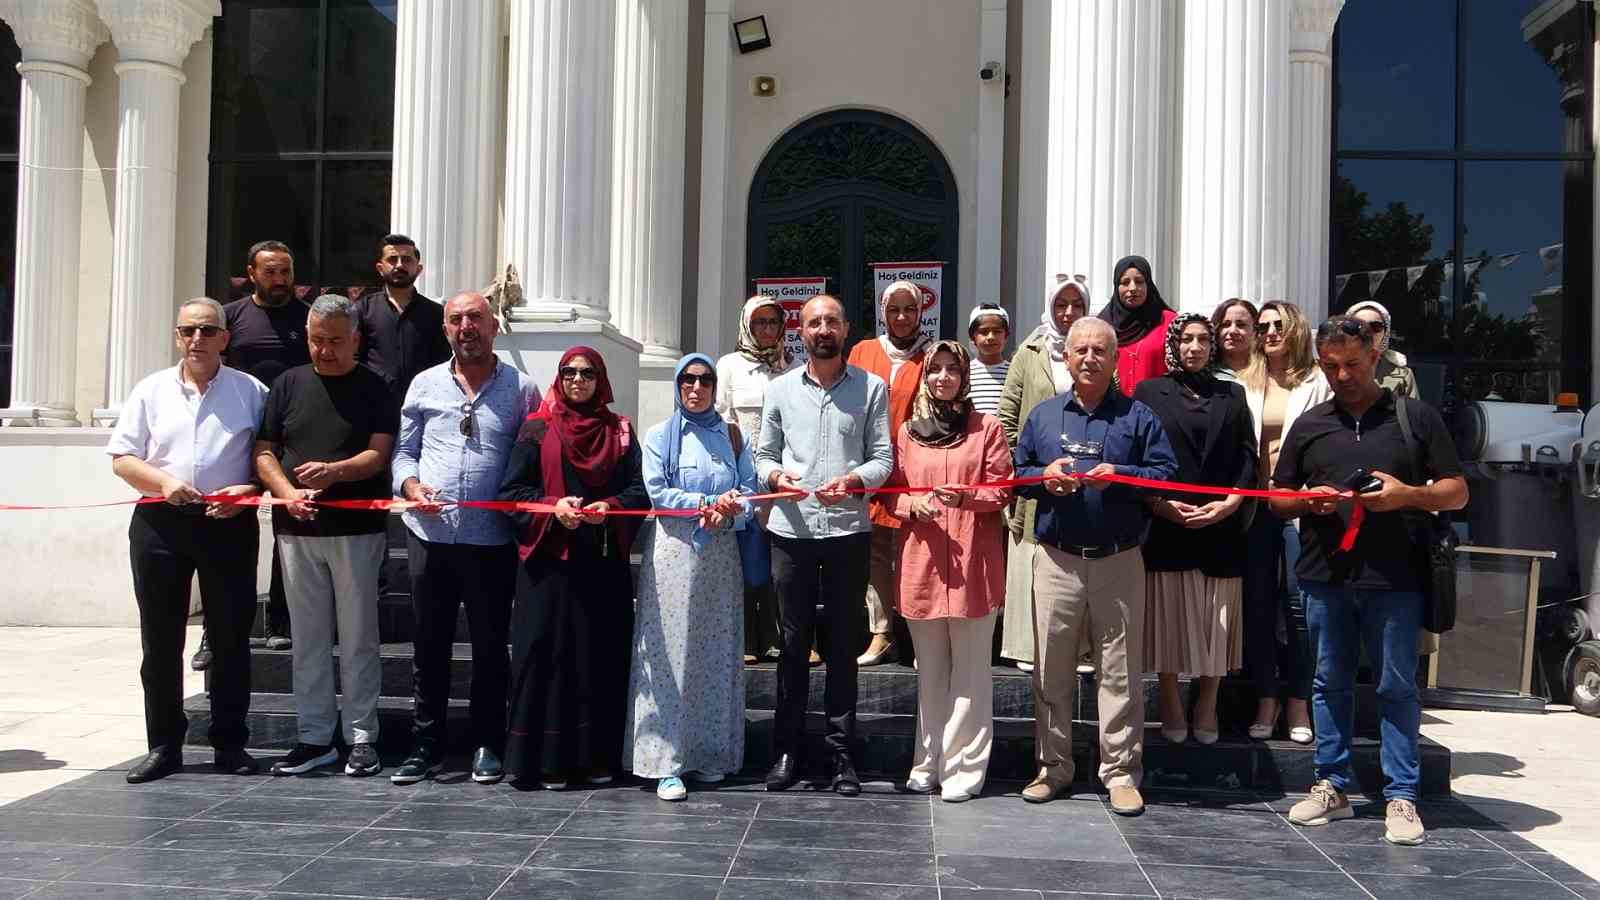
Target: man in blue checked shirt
457 426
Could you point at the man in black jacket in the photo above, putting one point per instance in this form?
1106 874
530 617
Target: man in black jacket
402 332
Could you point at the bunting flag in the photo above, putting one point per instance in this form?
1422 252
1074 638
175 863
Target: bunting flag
1551 257
1375 280
1338 284
1472 267
1412 274
1505 260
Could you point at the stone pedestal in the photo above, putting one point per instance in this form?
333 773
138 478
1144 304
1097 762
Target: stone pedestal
448 105
153 37
1310 154
57 40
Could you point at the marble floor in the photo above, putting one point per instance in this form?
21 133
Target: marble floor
200 834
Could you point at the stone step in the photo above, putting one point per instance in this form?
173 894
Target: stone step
885 744
888 689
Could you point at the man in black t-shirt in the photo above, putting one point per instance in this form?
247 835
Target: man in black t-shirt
1371 594
266 338
402 332
327 434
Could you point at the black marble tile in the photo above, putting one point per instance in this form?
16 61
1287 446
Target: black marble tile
1022 835
640 857
17 825
249 837
839 809
293 811
22 859
860 866
1504 839
333 784
72 890
396 879
760 889
1300 857
718 804
1185 882
997 872
195 779
1402 887
839 835
1554 866
1368 831
566 884
645 827
1387 859
141 804
481 819
1260 824
12 888
189 868
449 848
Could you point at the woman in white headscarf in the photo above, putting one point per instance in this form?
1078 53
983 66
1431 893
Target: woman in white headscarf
1392 373
742 379
1038 372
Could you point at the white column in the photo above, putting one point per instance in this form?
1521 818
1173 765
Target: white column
991 143
448 104
1233 212
57 40
153 37
650 109
558 157
1310 152
1099 135
715 298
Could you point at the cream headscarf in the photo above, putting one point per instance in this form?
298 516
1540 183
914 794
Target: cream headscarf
775 358
1395 357
895 354
1055 341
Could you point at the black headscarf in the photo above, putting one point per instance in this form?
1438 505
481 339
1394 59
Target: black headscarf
1133 324
1191 380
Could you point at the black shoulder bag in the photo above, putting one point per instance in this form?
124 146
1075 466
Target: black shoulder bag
1438 540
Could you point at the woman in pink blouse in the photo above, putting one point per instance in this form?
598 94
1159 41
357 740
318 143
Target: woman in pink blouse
952 571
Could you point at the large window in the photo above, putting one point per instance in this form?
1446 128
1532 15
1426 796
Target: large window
301 136
1461 189
10 114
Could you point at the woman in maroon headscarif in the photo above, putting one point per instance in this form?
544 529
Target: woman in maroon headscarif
572 628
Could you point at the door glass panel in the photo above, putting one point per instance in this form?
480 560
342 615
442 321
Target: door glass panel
890 237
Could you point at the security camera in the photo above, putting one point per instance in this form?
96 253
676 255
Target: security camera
990 71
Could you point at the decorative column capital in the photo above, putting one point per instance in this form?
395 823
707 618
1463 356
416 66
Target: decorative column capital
1311 29
157 31
64 32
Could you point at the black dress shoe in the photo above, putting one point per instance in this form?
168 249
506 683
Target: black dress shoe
486 767
782 776
235 762
845 782
158 764
202 655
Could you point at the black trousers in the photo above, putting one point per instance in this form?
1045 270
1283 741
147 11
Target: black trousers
277 623
168 546
804 572
1271 590
443 577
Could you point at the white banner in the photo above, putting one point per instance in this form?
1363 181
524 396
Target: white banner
792 292
929 276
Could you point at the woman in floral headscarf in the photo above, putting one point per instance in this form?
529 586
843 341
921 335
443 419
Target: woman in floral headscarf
951 570
1194 556
1392 372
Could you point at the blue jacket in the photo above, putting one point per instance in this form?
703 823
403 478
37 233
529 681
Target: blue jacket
1131 439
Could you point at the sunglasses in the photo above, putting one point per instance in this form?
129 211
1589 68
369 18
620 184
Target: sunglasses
210 331
687 379
1063 279
573 373
1277 325
466 419
1375 327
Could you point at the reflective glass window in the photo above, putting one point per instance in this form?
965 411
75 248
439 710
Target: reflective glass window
1397 75
1526 65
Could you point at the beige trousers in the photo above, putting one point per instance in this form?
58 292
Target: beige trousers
881 581
955 702
1016 622
1103 599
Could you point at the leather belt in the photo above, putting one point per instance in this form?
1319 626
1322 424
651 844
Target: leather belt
1100 552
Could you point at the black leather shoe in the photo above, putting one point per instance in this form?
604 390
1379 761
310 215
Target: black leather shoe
202 655
845 782
486 768
419 765
235 762
158 764
782 776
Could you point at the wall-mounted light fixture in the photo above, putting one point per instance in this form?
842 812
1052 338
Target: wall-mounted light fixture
751 34
764 86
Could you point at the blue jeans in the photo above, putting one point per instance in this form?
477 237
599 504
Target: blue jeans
1387 622
1271 589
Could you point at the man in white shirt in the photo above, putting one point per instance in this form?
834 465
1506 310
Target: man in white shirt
187 433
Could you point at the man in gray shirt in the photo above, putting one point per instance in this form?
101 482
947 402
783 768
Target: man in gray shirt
824 430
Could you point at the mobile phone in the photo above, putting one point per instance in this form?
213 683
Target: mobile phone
1362 481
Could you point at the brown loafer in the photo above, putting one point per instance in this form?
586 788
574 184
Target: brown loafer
1043 790
1126 801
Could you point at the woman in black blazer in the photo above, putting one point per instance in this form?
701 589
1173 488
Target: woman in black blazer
1195 554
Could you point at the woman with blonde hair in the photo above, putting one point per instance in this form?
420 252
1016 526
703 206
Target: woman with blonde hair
1234 321
1280 384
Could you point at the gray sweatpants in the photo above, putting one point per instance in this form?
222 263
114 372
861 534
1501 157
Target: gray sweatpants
329 580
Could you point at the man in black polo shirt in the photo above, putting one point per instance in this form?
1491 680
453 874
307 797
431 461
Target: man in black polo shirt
1372 593
402 332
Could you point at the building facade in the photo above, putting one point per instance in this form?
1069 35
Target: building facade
640 168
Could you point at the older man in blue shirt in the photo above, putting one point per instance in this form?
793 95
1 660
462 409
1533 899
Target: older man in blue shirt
1088 574
457 426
